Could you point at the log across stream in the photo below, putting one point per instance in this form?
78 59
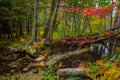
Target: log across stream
13 62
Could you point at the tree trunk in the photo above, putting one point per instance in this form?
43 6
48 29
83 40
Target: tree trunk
21 29
27 26
111 19
35 21
46 28
11 30
53 27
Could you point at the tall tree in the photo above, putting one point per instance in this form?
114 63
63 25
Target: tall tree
54 24
47 27
35 21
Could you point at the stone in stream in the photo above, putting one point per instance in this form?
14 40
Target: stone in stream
38 59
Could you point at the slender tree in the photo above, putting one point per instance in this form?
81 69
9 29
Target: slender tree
47 27
35 21
54 24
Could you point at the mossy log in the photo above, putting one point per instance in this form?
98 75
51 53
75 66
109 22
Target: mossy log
53 59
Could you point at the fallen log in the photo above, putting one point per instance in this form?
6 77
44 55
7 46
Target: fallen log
23 51
73 71
107 30
53 59
29 48
101 40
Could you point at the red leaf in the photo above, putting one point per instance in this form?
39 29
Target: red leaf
73 41
81 44
63 42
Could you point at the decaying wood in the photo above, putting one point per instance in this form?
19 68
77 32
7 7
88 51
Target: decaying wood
102 39
72 71
112 29
105 38
28 48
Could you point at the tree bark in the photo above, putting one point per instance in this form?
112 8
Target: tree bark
21 28
35 21
46 28
53 27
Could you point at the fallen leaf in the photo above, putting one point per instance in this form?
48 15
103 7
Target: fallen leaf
22 39
60 65
40 64
42 56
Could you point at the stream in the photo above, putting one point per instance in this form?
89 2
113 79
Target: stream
16 67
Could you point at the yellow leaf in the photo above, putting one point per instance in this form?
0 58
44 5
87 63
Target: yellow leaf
59 65
100 63
40 64
46 54
42 56
112 70
116 75
83 65
22 39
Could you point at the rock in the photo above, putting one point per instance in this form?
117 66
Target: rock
38 59
26 69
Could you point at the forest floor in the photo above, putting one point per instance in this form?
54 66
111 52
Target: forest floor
20 66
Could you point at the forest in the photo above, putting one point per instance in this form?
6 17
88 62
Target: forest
59 40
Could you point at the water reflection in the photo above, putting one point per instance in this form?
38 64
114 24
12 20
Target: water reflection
100 48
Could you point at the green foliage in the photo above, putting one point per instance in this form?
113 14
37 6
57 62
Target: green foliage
108 65
80 3
95 69
76 78
103 70
51 74
73 78
111 56
22 10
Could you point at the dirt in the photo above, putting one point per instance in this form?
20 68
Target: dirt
12 60
15 65
21 66
18 66
75 60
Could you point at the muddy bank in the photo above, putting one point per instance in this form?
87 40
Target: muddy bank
75 60
21 66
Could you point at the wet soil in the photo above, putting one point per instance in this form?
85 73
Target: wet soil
15 62
75 60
